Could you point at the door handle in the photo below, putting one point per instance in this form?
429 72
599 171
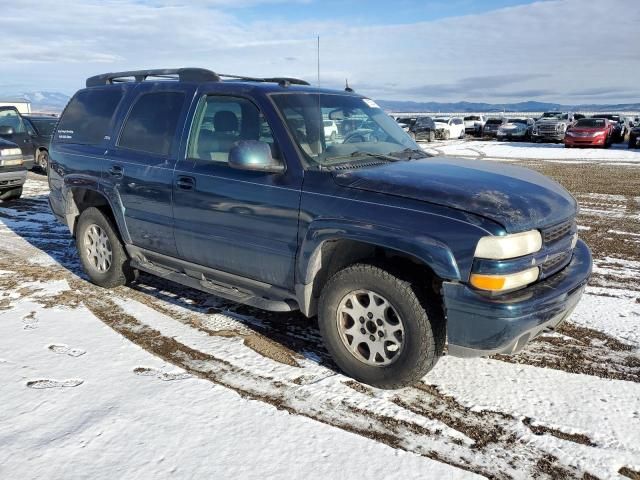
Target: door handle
186 183
116 171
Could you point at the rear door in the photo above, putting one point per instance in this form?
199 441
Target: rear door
236 221
140 161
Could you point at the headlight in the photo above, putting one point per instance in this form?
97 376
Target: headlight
569 133
595 134
10 151
561 127
500 283
509 246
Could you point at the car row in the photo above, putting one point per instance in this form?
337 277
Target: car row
570 128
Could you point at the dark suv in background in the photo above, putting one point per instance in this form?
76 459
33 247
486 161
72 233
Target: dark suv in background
229 185
13 128
41 128
424 129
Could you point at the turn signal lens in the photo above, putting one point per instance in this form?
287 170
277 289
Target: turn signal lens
500 283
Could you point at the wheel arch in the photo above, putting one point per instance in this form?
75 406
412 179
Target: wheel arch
81 195
326 251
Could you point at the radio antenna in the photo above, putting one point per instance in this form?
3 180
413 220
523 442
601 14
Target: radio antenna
318 56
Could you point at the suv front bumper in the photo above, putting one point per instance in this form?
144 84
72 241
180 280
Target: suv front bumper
479 325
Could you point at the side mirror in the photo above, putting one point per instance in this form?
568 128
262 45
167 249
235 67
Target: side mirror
255 156
6 130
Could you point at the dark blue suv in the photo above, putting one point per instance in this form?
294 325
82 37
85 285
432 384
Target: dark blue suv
234 186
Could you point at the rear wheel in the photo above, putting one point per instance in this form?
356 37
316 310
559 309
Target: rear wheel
11 194
378 328
432 136
101 252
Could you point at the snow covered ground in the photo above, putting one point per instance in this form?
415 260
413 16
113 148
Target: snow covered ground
494 150
156 380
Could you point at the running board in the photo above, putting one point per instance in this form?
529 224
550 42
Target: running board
225 291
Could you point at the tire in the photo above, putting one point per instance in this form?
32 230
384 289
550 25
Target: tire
107 274
11 194
420 345
462 135
446 135
432 136
42 160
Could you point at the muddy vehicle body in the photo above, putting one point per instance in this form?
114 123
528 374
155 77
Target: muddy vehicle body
229 185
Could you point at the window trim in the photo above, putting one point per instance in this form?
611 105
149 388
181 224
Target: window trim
132 104
194 118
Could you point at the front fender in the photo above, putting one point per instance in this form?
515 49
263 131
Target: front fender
430 251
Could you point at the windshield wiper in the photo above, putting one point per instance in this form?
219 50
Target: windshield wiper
409 152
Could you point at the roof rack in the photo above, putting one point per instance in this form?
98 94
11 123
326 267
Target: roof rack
183 75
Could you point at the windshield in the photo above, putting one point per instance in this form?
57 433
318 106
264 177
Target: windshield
44 126
517 120
363 128
494 121
471 118
441 120
590 122
424 121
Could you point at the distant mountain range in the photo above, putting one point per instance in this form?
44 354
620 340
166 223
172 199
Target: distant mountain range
55 102
530 106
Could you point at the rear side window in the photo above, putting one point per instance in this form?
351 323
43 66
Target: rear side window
87 118
152 122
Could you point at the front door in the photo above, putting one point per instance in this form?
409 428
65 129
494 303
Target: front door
236 221
139 165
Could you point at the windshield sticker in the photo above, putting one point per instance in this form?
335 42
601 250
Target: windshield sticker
370 103
65 134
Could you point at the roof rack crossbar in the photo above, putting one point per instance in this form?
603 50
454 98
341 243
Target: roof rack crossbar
182 74
281 80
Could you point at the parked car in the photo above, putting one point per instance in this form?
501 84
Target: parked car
41 129
13 129
634 137
449 127
515 129
13 173
491 126
371 236
552 126
423 130
473 124
406 122
589 132
619 128
330 130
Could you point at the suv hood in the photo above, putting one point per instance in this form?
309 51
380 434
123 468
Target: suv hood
517 198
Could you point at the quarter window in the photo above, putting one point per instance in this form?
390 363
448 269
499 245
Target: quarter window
152 122
221 122
87 118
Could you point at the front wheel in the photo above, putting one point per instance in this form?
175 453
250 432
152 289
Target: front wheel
447 135
42 160
378 328
101 251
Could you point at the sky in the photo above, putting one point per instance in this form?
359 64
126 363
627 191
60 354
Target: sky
497 51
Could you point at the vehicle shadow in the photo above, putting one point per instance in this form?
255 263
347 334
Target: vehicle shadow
31 219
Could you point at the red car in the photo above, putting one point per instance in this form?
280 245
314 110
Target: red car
589 132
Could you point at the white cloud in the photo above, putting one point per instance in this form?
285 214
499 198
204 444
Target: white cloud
552 50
